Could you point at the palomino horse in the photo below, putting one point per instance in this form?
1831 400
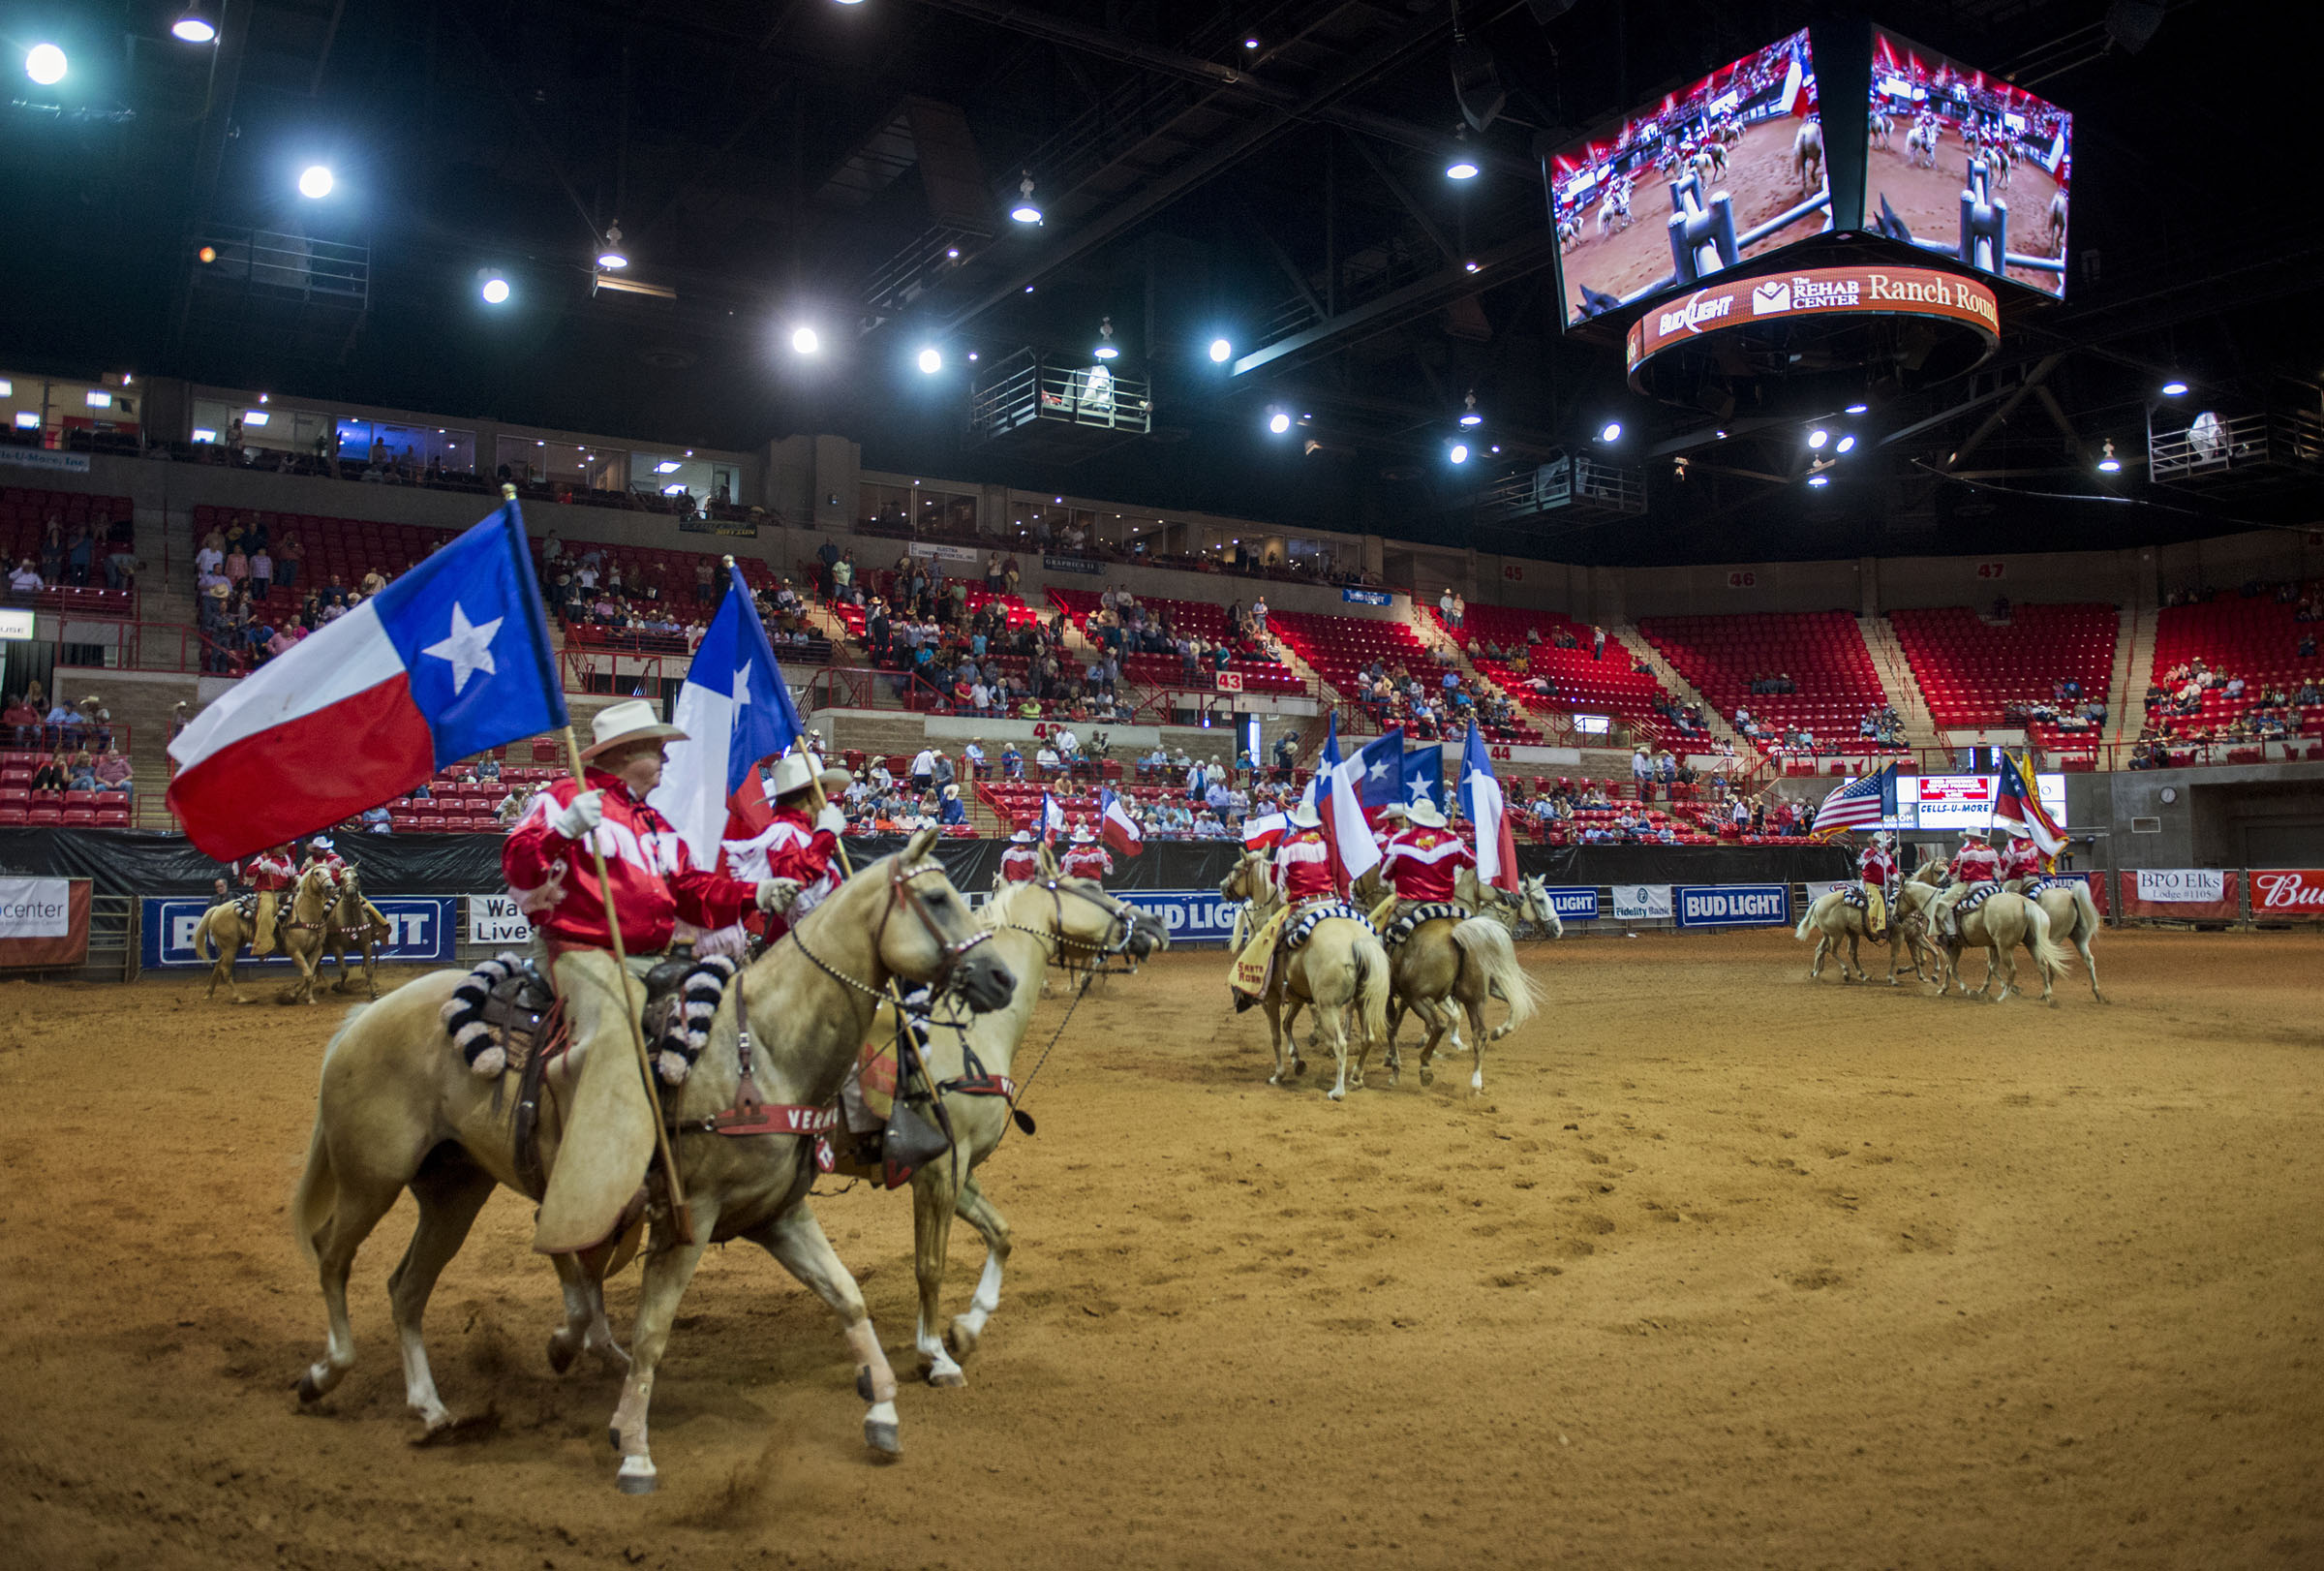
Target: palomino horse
1447 969
350 929
399 1109
2058 224
1341 971
1920 143
1807 155
2073 917
302 927
222 929
1834 921
1531 905
1998 927
1051 921
1882 127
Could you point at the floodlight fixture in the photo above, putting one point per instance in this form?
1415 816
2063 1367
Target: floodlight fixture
1857 409
931 361
1026 210
2108 463
1818 437
45 63
1819 480
1611 431
668 466
1107 348
315 181
492 287
1847 443
1221 351
193 25
610 255
1468 411
1462 167
1458 452
1279 421
806 340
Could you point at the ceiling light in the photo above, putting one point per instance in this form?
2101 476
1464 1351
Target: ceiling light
1818 437
931 361
1026 210
2170 390
203 433
315 182
255 417
28 419
495 288
851 2
1819 479
1857 409
610 255
1845 445
98 399
1221 351
1250 43
1106 349
1468 413
972 354
1612 432
1462 167
1496 447
668 466
673 490
804 340
1468 267
1278 421
2108 463
45 63
1460 453
193 25
952 253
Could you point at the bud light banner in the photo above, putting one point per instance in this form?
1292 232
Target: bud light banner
420 931
2277 893
1575 905
1194 915
1734 905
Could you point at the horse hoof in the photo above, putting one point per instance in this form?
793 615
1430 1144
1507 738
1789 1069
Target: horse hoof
880 1431
308 1390
960 1338
1336 1093
636 1477
1427 1075
562 1352
948 1378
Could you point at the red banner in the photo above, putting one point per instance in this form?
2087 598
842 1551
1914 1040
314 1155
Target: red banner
43 923
2227 907
2281 894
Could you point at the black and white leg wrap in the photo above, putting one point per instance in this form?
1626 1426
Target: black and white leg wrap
464 1015
686 1030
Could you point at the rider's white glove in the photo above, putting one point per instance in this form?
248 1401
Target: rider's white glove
778 894
580 815
833 817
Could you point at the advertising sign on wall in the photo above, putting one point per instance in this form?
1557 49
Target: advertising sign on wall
935 552
1367 596
43 922
1194 915
1642 901
2182 886
1754 299
420 931
2279 892
1965 801
1734 905
1069 564
496 919
1576 903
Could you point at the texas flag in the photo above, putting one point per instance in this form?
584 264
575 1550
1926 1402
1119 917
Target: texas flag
1481 799
1378 768
735 710
1345 831
449 659
1053 819
1260 833
1115 826
2018 806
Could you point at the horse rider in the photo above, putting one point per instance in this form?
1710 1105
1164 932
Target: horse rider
801 844
1876 865
269 873
1302 874
608 1137
1021 863
1975 863
1087 859
1423 861
2021 858
322 851
1386 826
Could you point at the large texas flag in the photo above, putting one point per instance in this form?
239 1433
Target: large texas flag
735 709
1481 799
450 658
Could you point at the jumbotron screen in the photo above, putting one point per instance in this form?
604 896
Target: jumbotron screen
1962 163
1726 169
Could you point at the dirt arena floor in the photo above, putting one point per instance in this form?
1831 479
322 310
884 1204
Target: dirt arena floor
1759 178
1726 1269
1929 201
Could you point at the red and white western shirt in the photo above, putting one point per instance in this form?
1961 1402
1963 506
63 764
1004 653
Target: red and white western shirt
2021 859
1304 867
791 847
270 872
1975 864
1020 864
1087 862
655 882
1421 864
1875 865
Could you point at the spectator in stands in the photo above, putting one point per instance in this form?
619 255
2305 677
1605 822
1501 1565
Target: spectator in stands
236 567
26 579
52 775
208 557
373 583
2307 646
1012 761
488 767
1596 642
120 566
1048 761
706 582
288 556
23 721
112 770
378 820
953 811
422 793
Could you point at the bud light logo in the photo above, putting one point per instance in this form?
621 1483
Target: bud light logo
1194 915
1735 905
1575 905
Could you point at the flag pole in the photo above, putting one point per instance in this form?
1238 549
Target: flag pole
680 1216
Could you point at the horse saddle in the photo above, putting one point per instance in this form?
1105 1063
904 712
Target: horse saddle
1855 896
1978 895
2036 888
1435 910
1303 924
246 907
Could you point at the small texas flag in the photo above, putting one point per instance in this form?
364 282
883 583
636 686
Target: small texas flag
1053 819
1115 826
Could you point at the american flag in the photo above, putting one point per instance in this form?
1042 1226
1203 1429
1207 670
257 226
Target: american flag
1860 804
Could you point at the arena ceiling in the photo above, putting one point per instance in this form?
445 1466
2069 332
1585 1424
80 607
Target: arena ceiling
790 162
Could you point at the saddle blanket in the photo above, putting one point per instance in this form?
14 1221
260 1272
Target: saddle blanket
1435 910
2036 888
1978 894
1303 922
1855 895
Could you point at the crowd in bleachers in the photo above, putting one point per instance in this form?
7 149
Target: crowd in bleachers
62 762
2233 673
68 549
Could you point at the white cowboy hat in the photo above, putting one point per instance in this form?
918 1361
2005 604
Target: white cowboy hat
632 720
1083 837
1022 837
321 842
951 791
1304 816
795 771
1393 810
1425 814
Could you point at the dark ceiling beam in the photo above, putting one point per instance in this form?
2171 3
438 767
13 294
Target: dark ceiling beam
1505 264
1395 189
1282 260
1197 172
2000 417
330 36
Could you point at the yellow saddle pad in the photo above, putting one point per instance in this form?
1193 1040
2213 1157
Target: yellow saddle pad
1253 964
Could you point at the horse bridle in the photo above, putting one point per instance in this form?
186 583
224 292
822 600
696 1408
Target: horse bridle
1120 929
902 893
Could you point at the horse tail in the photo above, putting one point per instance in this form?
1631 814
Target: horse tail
1487 942
2052 956
317 1193
2086 911
201 935
1807 920
1371 988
